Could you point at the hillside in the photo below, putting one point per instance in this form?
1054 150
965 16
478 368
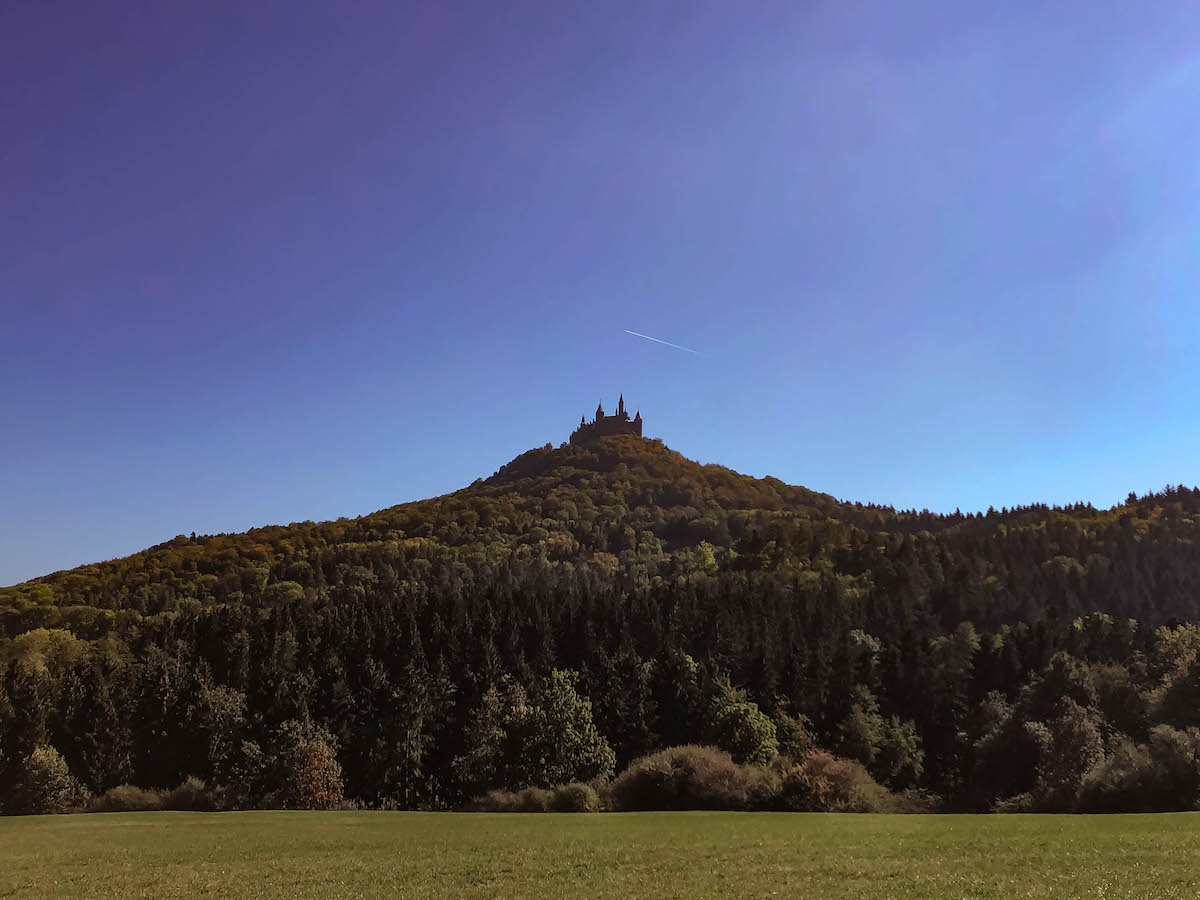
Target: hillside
641 584
565 504
632 509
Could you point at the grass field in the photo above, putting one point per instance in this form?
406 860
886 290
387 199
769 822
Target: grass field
825 857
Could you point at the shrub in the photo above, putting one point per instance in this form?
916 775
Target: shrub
45 785
822 782
191 794
1020 803
533 799
575 798
309 774
127 798
916 801
1123 781
1176 757
690 777
527 800
1160 776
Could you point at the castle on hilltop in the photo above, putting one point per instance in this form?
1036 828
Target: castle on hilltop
603 425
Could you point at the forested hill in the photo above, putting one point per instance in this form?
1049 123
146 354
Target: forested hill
631 511
637 600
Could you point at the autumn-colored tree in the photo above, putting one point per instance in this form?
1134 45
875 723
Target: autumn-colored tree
307 769
1068 747
44 784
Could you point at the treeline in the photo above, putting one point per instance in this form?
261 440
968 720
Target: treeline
588 607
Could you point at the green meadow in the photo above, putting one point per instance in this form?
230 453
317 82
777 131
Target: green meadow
298 855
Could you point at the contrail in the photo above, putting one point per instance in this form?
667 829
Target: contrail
668 343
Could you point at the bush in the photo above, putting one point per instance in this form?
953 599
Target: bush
1160 776
575 798
308 771
1122 781
1020 803
527 800
1176 757
916 801
127 798
191 795
691 777
822 782
45 785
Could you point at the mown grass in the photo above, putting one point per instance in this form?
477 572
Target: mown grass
299 855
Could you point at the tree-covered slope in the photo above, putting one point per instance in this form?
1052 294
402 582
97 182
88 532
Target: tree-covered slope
631 510
634 598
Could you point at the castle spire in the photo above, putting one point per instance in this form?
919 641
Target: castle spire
621 406
599 410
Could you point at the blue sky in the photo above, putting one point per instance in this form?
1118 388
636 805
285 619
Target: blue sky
267 262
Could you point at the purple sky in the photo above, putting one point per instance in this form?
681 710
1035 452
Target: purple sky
265 262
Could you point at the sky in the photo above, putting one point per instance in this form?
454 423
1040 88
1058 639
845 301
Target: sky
265 262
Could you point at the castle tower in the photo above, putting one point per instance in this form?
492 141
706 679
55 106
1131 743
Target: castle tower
621 407
599 410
